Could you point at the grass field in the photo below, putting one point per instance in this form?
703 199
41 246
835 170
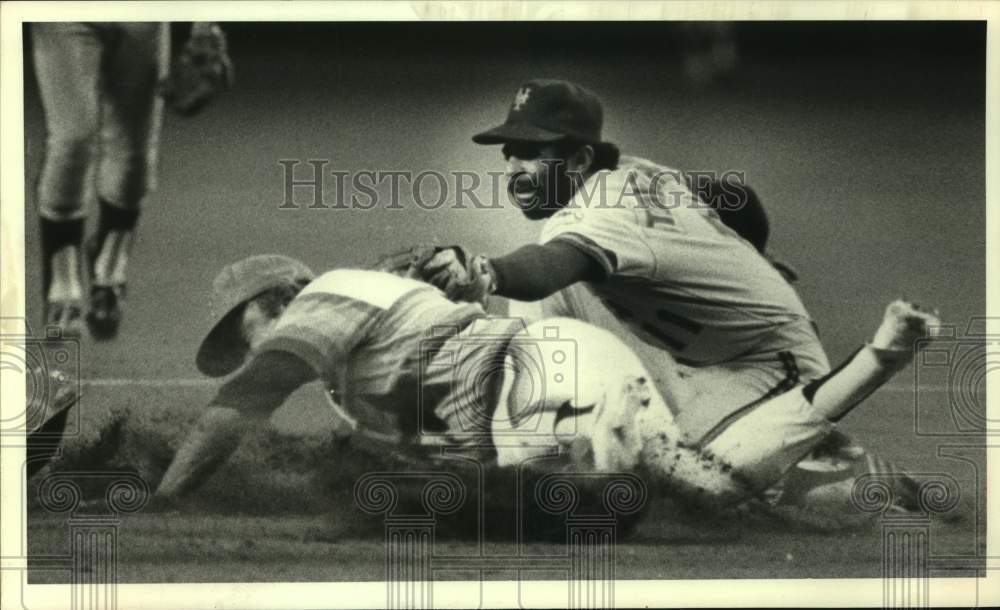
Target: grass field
857 160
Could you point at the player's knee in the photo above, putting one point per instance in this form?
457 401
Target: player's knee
74 140
62 189
70 152
125 177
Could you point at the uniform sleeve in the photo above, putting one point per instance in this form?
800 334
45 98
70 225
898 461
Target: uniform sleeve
534 272
607 227
264 383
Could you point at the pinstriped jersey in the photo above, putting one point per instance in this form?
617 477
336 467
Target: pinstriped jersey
676 275
362 332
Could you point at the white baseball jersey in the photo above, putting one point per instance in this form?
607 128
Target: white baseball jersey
676 274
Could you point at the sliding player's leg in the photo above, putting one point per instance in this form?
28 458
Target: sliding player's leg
567 383
576 396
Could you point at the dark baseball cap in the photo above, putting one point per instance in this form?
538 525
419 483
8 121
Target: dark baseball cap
548 111
232 288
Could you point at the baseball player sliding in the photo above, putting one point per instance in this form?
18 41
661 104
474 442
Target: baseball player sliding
626 246
410 364
101 85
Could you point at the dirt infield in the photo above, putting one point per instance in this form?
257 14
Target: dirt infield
295 548
284 509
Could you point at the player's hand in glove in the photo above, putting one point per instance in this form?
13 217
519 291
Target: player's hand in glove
448 265
199 72
461 277
408 262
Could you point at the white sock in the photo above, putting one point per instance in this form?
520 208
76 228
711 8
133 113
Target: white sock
65 285
112 260
868 370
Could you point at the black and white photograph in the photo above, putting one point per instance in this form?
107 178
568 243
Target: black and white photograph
498 304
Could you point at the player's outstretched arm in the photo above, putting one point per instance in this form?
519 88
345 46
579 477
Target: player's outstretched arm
534 272
530 273
247 399
215 437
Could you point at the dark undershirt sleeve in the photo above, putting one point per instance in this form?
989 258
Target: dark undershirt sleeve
534 272
264 384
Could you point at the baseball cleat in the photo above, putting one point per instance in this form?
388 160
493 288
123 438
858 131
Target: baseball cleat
65 315
904 324
105 312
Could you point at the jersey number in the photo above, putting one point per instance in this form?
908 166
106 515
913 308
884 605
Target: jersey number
657 217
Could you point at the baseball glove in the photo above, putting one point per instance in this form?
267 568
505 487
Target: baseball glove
462 277
199 72
408 262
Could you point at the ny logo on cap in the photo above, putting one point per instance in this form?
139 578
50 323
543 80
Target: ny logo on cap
521 98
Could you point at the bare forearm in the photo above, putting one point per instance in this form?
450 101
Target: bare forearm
215 437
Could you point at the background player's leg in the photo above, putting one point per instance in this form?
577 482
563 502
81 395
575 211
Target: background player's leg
67 60
132 117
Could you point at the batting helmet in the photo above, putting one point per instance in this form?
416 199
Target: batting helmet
221 351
